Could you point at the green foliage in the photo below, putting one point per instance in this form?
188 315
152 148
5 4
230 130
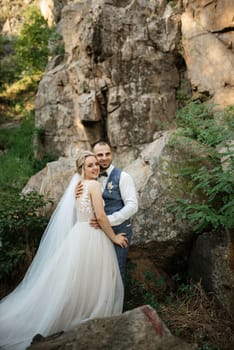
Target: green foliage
3 42
183 287
183 92
21 227
197 121
210 202
39 164
8 65
17 157
28 54
17 99
136 294
56 44
150 298
22 62
228 117
21 223
207 346
32 46
159 282
172 2
134 290
217 208
88 19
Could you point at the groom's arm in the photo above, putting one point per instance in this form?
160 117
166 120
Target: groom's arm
129 197
79 189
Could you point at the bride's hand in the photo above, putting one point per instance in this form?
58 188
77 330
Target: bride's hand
121 240
94 223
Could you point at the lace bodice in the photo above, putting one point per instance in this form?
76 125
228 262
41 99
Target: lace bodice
84 205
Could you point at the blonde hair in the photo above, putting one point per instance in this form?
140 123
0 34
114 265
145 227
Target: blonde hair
80 161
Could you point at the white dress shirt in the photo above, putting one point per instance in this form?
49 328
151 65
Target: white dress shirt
128 195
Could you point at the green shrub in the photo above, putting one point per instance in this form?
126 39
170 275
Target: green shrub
198 122
28 53
17 156
8 65
21 221
210 204
56 44
32 45
21 227
228 117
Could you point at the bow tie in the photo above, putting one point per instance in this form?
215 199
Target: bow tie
104 173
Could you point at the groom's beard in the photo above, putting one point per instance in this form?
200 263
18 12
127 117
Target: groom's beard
104 168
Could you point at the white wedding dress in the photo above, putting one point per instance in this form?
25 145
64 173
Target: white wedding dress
79 280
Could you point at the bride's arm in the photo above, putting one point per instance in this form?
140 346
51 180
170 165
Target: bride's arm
97 201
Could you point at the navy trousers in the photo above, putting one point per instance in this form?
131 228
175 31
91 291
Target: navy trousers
122 253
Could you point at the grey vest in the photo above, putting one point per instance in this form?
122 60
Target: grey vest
111 194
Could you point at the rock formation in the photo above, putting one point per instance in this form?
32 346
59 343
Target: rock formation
118 78
208 43
125 64
138 329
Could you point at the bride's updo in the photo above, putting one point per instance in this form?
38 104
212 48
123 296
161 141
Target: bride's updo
81 159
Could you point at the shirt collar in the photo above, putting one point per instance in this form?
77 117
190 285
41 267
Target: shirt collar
109 170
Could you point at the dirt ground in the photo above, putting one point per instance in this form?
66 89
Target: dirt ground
196 318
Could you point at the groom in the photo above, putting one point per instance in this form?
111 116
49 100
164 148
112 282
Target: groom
120 198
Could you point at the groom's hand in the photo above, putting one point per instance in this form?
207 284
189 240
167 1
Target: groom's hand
94 223
79 189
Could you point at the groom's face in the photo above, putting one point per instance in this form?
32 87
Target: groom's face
104 155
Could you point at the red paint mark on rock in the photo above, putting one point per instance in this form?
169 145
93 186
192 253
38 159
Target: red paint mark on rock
154 319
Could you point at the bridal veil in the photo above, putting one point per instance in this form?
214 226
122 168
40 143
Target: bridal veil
61 222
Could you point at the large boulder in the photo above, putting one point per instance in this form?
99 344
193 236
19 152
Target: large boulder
212 263
138 329
158 233
52 181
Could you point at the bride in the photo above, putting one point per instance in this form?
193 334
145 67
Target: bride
74 275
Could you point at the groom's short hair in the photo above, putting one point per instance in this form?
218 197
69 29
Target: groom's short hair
101 143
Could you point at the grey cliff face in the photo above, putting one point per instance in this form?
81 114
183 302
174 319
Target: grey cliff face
118 79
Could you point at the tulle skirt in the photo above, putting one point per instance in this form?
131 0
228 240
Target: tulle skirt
81 281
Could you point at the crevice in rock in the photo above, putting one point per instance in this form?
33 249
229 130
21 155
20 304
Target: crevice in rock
104 113
224 30
119 3
115 108
209 3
